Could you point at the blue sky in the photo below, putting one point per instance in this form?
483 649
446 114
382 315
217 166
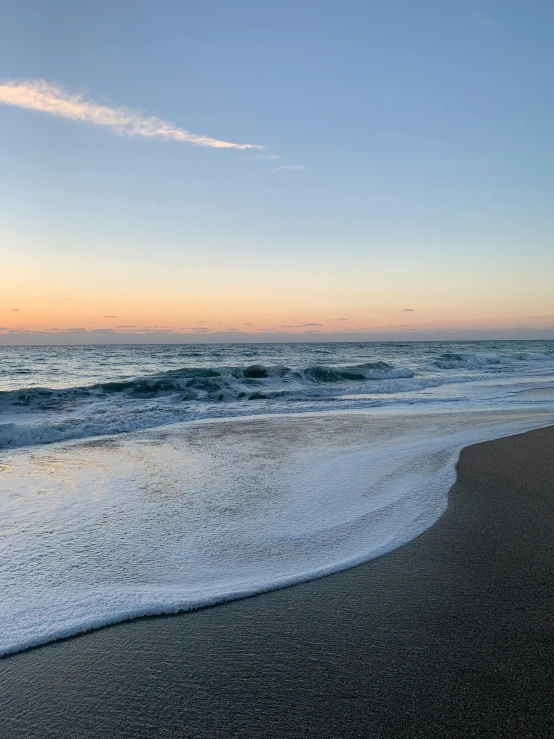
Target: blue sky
423 130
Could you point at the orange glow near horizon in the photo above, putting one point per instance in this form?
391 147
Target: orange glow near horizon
95 290
33 313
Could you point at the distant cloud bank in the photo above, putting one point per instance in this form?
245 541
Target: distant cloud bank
159 335
47 97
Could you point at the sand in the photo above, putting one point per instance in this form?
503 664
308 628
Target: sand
450 636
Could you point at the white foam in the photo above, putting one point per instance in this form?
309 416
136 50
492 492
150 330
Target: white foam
194 514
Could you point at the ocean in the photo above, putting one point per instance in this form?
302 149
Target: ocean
141 480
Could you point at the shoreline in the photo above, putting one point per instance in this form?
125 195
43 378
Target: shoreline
447 636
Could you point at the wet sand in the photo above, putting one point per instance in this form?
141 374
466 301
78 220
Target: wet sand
450 636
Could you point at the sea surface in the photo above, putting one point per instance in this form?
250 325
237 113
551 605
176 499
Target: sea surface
150 479
59 393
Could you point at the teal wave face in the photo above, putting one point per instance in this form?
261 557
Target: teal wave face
58 393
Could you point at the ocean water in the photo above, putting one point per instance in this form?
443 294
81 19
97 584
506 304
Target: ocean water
60 393
151 479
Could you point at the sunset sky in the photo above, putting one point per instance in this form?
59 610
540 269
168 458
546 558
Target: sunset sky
303 169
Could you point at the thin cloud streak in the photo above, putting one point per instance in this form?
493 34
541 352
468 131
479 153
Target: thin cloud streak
50 98
288 166
269 155
301 325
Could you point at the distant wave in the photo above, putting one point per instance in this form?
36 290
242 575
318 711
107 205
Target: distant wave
449 360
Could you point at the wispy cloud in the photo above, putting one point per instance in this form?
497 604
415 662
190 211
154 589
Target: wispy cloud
47 97
269 155
408 310
288 166
484 20
110 316
302 325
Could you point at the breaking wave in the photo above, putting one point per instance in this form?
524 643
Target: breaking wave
124 403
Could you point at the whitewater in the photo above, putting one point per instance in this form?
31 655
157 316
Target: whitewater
147 480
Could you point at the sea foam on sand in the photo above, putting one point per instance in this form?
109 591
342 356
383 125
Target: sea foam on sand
172 519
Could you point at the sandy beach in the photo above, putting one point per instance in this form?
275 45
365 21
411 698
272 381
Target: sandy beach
449 636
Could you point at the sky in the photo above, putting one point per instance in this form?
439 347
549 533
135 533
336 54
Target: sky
275 171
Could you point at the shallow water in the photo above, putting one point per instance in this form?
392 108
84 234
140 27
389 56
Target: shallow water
161 520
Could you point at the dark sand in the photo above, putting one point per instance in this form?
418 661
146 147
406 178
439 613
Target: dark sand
450 636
